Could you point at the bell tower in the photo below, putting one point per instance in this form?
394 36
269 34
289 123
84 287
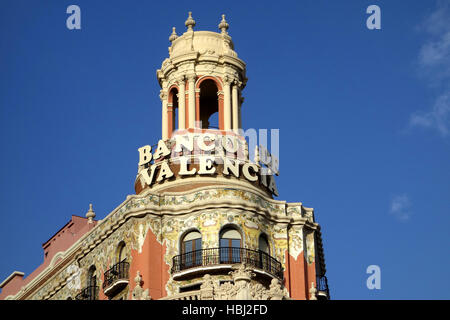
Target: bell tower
201 82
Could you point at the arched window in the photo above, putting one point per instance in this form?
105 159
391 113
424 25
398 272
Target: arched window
264 244
121 252
191 249
92 278
230 246
209 105
264 252
172 110
91 291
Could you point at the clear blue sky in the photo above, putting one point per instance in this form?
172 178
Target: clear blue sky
363 118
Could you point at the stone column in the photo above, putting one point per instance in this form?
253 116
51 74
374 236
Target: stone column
197 109
241 100
227 103
242 277
163 97
235 107
191 93
181 104
221 112
170 120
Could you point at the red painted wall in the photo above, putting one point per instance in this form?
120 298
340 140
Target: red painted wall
150 264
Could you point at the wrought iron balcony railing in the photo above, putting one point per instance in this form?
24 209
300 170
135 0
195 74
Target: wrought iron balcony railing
322 286
117 273
88 293
227 255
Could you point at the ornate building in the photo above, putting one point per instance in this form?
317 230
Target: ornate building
203 223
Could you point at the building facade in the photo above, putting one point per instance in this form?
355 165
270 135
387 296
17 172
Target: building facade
203 223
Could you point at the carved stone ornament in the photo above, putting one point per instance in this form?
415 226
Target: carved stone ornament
207 288
173 36
242 277
227 80
312 292
138 292
275 290
227 291
241 273
162 95
242 288
258 292
191 77
223 25
180 80
190 22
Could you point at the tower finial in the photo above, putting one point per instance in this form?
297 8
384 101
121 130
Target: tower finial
223 25
90 214
173 36
190 23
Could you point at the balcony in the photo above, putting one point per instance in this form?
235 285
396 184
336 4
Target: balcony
88 293
116 278
223 258
323 292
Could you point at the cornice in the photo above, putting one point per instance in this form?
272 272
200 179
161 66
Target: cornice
12 275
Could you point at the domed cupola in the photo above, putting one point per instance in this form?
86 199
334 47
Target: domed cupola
201 81
202 143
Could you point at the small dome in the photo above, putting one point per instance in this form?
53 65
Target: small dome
204 42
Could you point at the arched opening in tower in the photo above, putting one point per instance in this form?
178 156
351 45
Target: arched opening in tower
209 105
173 110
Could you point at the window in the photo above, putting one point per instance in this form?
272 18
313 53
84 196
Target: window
92 278
264 244
172 110
90 293
264 252
191 247
230 246
209 105
121 252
